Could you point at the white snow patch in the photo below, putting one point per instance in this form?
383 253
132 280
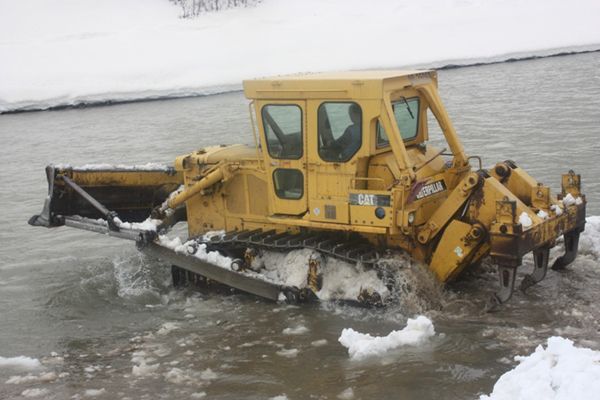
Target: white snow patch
101 167
36 392
212 257
289 269
525 220
569 200
559 371
279 397
318 343
342 280
542 214
589 241
148 225
198 395
557 209
20 362
66 52
288 353
361 346
94 392
297 330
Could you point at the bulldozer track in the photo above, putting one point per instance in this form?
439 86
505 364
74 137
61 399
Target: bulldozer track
355 250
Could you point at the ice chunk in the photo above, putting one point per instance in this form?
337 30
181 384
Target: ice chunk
167 328
362 345
208 375
94 392
36 392
525 220
347 394
297 330
319 343
22 362
557 209
29 378
569 200
590 238
559 371
288 353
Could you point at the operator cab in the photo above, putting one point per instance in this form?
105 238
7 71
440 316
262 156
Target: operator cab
337 144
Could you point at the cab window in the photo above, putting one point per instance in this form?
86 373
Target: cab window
406 115
289 183
339 130
283 130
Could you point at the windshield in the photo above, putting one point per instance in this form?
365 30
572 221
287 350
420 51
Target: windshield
406 114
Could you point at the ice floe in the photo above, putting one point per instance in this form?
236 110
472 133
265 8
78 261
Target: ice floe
589 242
22 362
559 371
297 330
361 345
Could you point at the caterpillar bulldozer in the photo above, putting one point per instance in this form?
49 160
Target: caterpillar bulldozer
341 164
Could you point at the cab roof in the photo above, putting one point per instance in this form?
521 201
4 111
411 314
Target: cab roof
335 85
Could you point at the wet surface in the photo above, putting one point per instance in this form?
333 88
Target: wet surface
119 330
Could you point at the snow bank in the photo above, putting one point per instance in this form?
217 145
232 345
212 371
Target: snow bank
559 371
70 51
20 362
361 345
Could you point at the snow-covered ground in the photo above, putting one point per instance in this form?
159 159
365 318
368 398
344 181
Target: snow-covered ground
71 51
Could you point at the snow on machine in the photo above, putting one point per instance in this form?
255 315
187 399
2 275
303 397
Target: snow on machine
340 165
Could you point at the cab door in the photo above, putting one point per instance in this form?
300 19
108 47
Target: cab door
283 137
334 145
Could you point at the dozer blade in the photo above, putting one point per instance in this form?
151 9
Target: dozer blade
227 277
94 192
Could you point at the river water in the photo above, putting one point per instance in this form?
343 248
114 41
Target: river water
105 321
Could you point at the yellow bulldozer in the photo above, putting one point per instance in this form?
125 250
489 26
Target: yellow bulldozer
340 164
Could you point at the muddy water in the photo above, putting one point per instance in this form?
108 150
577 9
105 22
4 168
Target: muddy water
105 321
